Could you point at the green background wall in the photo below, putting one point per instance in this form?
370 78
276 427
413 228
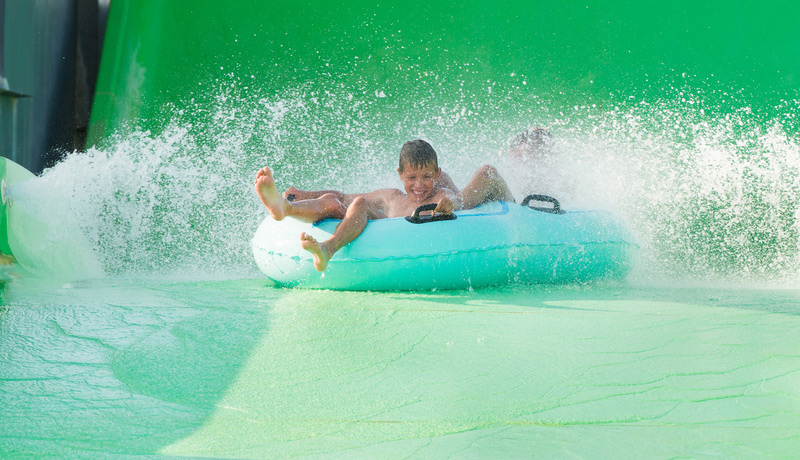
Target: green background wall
161 57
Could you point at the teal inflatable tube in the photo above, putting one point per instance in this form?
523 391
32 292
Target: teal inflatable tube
493 244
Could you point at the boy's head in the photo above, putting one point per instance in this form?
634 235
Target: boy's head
419 170
532 143
417 153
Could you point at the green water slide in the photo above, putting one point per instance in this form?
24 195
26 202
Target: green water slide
162 58
161 368
11 173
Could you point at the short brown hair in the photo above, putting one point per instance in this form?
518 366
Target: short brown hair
418 154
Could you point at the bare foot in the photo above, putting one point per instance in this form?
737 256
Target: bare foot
321 255
277 206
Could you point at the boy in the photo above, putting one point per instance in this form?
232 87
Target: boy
418 169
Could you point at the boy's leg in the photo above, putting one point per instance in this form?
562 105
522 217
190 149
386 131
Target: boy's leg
486 185
326 206
354 217
353 223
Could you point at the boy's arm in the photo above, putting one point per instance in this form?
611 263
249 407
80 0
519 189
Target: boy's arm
445 182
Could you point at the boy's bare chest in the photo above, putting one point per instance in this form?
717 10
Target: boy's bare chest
402 206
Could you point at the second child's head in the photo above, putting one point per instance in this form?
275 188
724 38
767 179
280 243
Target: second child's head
418 169
531 144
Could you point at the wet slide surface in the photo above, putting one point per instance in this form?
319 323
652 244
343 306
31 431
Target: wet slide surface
235 369
680 117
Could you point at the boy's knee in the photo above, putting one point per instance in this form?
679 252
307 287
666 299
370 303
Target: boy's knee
488 171
359 208
359 204
332 204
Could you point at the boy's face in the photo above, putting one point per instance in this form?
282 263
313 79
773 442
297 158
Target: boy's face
419 182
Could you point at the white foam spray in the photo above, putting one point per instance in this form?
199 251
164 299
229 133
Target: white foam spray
708 194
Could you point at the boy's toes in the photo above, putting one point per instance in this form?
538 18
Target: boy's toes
265 171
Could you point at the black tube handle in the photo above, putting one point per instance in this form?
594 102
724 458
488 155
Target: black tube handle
556 209
417 219
423 208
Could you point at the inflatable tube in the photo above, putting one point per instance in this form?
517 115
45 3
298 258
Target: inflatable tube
493 244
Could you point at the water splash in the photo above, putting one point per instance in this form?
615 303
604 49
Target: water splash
711 196
709 191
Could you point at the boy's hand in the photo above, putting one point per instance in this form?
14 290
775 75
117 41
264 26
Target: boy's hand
445 206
